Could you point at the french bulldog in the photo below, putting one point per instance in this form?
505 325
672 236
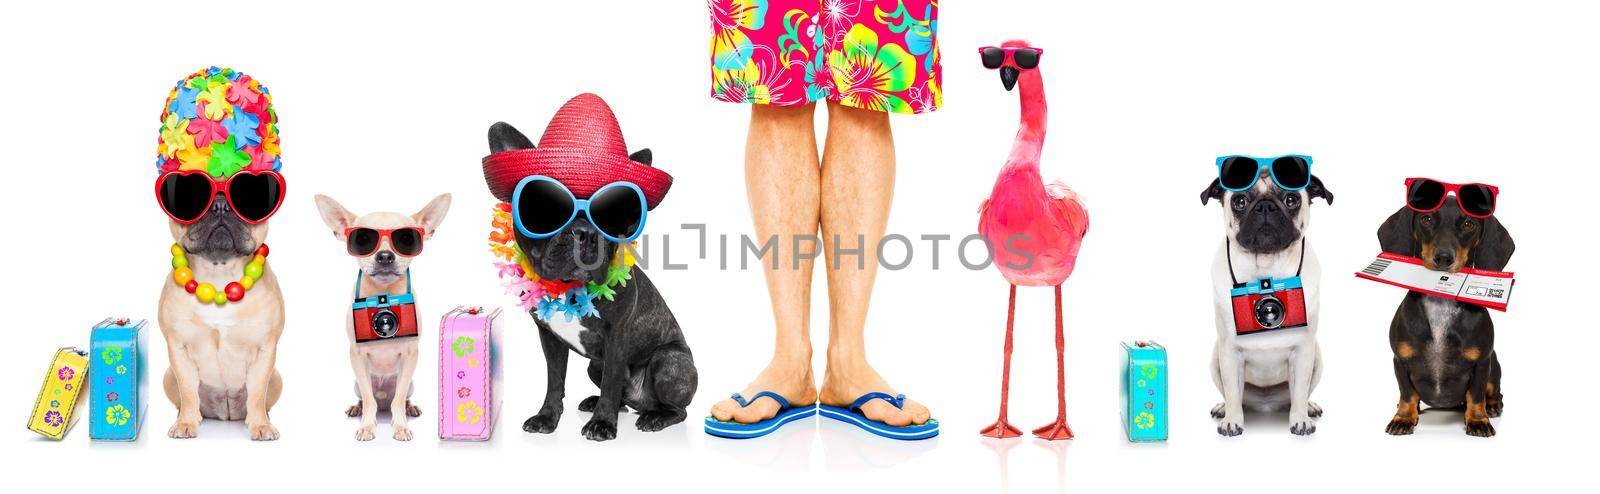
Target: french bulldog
1264 228
637 353
383 368
222 356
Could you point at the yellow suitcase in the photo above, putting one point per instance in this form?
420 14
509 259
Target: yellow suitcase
58 397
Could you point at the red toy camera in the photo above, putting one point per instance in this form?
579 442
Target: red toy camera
1268 304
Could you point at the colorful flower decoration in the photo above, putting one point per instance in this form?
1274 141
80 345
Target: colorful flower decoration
469 413
53 418
464 392
112 397
1149 371
472 363
118 415
111 355
548 299
463 346
868 74
122 369
219 121
55 404
461 374
65 374
1144 420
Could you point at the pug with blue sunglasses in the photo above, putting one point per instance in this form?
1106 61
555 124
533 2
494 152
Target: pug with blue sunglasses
1266 286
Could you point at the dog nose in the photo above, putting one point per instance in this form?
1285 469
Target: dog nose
1443 259
385 257
1266 206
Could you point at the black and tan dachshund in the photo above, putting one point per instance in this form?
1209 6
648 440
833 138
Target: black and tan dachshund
1444 349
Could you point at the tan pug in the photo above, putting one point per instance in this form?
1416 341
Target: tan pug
222 356
383 368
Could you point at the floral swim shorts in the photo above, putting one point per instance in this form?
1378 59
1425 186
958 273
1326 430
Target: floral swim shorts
878 55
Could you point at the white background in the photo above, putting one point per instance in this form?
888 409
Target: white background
384 106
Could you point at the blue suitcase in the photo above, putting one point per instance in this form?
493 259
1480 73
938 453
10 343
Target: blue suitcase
117 379
1144 391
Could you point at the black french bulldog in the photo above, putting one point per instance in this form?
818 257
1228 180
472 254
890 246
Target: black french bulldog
637 353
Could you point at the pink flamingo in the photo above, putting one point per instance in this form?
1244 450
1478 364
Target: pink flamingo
1035 228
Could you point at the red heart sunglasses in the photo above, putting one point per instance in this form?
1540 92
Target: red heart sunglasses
186 196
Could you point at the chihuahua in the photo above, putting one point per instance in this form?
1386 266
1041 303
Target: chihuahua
383 353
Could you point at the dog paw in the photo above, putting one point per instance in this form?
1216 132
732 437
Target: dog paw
184 430
1402 426
1480 428
365 433
600 430
263 432
1217 412
353 411
587 405
1495 408
1303 427
541 424
655 421
413 411
402 433
1313 410
1229 428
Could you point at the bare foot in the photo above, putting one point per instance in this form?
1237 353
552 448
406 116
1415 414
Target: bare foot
846 381
789 378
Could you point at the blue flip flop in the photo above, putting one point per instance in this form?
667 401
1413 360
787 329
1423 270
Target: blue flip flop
735 430
853 415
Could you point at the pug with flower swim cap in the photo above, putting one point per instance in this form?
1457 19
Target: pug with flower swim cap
220 312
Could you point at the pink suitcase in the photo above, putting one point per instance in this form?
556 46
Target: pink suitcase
469 373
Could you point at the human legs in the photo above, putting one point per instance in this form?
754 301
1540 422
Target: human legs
857 188
782 181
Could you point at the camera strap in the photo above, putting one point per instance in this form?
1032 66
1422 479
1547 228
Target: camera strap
1227 251
382 298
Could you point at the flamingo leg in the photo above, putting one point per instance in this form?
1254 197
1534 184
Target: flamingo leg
1058 429
1001 428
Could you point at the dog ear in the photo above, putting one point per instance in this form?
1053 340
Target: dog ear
431 215
1395 234
641 156
504 137
1494 246
334 215
1315 189
1213 191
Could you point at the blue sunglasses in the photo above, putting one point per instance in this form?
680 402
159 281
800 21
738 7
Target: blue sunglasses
542 207
1239 173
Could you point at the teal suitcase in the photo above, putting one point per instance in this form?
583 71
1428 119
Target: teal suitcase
1144 391
117 384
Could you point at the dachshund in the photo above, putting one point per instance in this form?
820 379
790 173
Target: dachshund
1444 353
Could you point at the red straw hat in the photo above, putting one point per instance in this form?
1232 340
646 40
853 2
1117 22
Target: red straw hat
583 149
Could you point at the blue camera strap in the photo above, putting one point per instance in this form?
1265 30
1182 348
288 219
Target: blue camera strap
382 299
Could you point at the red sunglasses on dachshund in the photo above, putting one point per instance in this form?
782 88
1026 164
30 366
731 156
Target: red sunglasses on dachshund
186 196
1426 195
361 241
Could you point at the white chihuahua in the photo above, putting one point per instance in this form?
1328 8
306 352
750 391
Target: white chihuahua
383 352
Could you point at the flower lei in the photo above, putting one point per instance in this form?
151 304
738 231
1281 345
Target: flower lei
547 298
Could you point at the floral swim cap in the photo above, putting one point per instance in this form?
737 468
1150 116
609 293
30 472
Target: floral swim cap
218 121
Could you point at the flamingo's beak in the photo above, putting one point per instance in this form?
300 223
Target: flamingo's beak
1008 76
